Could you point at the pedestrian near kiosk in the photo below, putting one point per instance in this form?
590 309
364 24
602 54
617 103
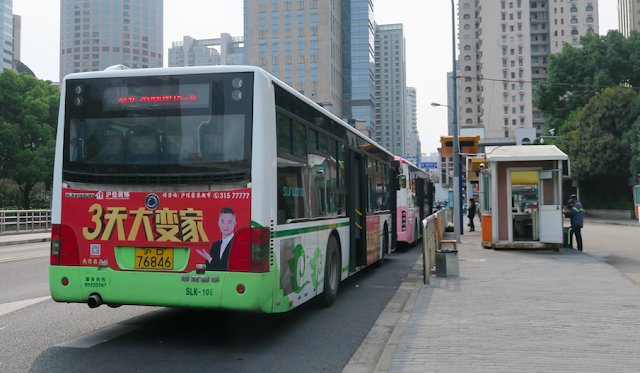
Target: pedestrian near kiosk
471 213
576 214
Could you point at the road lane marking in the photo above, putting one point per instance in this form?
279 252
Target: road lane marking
23 257
99 336
14 306
4 327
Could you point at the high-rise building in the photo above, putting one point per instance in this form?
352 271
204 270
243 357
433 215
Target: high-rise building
628 16
390 89
6 34
225 50
298 42
411 120
96 35
358 62
504 49
17 36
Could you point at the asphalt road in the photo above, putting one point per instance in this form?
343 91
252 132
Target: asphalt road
617 245
149 339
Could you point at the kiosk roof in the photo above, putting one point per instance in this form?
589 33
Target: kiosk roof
525 153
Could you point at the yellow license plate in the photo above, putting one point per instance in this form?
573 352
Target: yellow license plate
154 258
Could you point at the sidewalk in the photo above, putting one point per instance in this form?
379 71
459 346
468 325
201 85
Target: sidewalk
522 311
17 239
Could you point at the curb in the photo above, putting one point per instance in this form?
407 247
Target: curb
376 351
33 240
629 224
394 340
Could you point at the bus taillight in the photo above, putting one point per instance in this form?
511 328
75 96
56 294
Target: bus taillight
250 250
55 244
64 246
260 249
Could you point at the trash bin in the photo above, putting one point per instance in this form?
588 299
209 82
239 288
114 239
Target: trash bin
447 263
567 240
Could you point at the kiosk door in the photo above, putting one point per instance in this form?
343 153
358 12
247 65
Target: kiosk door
550 216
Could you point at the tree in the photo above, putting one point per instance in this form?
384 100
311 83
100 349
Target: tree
594 132
599 137
576 74
28 117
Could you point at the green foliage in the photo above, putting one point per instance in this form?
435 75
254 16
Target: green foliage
593 134
576 74
28 116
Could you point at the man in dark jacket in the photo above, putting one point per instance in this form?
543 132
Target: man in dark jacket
471 214
576 214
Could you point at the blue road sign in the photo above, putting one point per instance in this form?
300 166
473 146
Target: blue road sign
413 160
428 165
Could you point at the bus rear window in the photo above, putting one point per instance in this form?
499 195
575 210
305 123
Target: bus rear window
158 125
157 140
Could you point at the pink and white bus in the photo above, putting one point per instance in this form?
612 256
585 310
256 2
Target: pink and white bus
410 202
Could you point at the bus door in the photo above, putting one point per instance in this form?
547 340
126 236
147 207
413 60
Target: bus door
420 185
395 186
356 205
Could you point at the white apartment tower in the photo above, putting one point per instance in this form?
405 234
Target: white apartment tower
390 89
504 49
413 145
628 16
299 42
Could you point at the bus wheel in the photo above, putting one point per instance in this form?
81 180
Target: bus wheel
331 273
385 248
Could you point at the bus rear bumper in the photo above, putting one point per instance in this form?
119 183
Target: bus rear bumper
222 290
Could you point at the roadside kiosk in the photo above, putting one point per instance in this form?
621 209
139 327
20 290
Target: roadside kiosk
521 197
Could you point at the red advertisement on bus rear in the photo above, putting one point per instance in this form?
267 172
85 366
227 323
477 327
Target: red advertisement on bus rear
161 231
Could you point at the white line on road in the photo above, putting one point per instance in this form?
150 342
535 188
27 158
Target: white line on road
14 306
4 327
99 336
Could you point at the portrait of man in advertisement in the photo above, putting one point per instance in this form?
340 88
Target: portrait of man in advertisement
217 259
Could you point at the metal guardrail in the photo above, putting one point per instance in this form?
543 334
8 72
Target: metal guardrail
24 221
433 232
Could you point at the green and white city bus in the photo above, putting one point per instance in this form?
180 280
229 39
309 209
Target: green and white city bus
214 187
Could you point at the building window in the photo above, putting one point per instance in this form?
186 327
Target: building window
589 8
300 19
300 46
314 45
469 121
573 9
575 20
589 19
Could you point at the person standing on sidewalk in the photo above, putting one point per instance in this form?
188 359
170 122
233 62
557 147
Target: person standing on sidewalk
576 214
471 213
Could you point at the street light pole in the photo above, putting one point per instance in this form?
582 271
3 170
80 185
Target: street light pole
457 212
457 177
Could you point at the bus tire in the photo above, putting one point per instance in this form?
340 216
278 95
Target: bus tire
385 248
332 269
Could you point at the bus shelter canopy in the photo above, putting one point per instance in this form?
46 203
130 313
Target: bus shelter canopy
525 153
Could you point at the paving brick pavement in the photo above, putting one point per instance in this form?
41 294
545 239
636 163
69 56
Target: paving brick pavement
523 311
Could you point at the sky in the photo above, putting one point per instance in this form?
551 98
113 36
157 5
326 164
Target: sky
427 30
